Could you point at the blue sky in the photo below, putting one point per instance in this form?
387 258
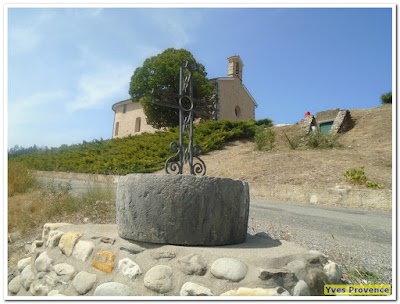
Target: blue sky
68 66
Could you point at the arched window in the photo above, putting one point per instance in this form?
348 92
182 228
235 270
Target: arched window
137 124
237 111
116 129
237 69
124 109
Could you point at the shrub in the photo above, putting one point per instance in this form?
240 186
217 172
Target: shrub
20 178
264 138
294 141
264 122
319 140
142 153
386 98
358 177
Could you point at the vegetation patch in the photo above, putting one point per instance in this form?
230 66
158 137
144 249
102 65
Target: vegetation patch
142 153
264 138
319 140
358 177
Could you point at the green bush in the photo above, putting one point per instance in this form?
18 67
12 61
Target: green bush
319 140
264 138
142 153
358 177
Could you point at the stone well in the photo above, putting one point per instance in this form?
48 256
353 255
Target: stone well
182 209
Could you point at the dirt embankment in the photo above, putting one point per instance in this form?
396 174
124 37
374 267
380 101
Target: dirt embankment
316 176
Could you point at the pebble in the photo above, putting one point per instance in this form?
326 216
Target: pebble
83 282
193 264
301 289
159 279
43 262
333 271
54 238
23 263
113 289
129 268
15 285
230 269
193 289
82 250
68 241
38 276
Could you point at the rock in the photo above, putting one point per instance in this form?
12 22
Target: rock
333 272
64 269
15 285
48 227
279 277
230 269
301 289
159 279
35 244
38 289
82 250
210 210
313 199
244 291
12 274
299 268
193 264
27 277
83 282
316 279
164 254
104 261
23 263
132 248
68 241
54 238
129 268
43 262
55 293
193 289
113 289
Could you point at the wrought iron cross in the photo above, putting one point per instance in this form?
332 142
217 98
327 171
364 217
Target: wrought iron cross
185 103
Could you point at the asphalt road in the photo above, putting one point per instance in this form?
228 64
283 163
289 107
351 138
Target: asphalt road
355 238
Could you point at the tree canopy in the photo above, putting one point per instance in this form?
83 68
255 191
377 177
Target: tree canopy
386 98
162 71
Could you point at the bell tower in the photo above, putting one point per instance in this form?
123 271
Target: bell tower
235 67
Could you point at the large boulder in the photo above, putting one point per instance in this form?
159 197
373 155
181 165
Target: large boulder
182 209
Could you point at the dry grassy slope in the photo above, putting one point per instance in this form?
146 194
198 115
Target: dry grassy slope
368 144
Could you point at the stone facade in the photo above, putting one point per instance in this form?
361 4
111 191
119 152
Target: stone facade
129 119
234 102
341 121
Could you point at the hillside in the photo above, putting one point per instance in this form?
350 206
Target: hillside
368 145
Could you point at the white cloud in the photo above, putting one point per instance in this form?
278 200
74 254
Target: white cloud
101 88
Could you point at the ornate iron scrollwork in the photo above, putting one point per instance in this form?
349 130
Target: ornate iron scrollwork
186 105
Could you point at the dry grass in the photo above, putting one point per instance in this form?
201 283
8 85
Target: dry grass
29 211
368 145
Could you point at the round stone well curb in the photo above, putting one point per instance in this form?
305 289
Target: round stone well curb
182 209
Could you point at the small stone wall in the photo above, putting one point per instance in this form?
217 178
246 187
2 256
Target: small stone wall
91 260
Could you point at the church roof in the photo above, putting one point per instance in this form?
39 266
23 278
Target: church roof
119 103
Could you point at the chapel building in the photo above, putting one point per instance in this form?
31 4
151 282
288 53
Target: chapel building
234 103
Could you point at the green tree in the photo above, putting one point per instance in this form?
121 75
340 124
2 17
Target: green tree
386 98
162 71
